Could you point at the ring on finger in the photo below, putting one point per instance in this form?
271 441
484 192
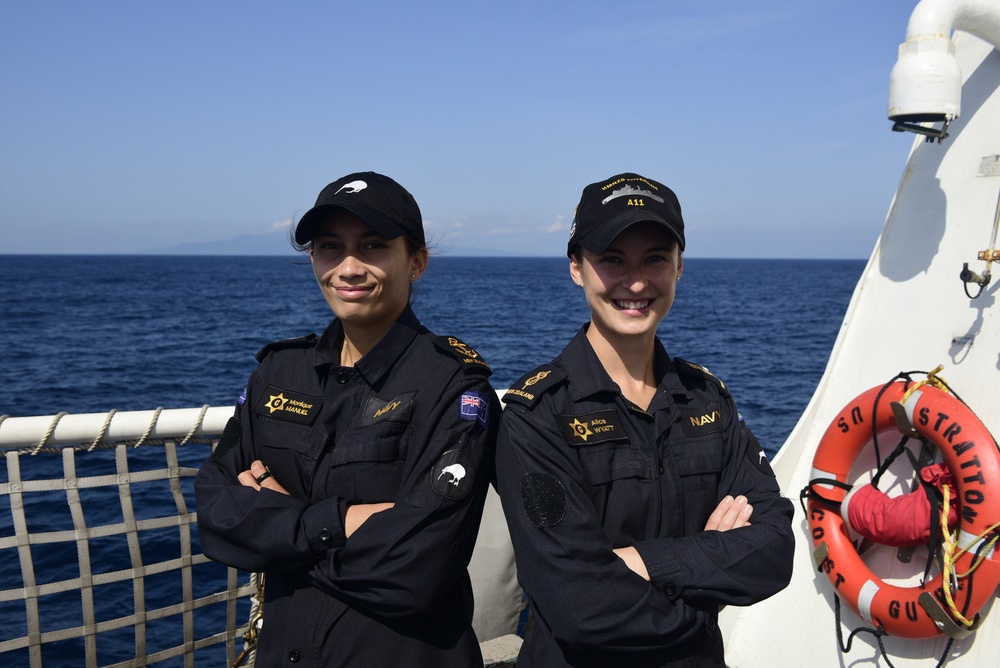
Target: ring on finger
262 477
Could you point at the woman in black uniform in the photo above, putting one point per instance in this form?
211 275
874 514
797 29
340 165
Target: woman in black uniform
638 500
356 467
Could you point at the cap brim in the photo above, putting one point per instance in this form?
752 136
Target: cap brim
599 239
383 226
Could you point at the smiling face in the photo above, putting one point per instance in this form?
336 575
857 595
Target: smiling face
630 286
365 278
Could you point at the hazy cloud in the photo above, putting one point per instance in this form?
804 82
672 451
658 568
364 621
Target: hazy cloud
558 226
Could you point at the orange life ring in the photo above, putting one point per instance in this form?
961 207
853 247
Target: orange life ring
971 454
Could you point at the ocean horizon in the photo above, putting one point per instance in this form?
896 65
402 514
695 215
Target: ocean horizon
88 333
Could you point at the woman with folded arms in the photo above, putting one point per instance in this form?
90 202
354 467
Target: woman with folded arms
354 472
638 500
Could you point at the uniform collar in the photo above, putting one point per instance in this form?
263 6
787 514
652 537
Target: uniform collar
590 378
379 359
667 373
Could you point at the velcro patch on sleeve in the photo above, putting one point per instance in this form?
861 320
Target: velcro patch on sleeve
397 409
453 476
231 437
287 405
591 428
543 498
474 406
701 420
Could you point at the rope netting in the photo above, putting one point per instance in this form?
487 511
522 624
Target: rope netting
100 563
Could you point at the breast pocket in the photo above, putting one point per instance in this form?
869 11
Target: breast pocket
621 489
283 439
608 462
366 464
699 466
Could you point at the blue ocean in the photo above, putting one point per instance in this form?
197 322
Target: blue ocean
92 333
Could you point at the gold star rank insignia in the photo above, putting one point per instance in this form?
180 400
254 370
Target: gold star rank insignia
277 402
580 429
592 428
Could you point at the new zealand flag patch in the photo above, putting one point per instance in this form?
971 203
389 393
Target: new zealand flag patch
474 406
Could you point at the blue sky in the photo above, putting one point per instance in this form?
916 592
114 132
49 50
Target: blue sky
131 126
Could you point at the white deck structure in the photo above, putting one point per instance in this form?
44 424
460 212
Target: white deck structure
909 312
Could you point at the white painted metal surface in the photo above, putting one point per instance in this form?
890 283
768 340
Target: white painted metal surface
927 77
908 312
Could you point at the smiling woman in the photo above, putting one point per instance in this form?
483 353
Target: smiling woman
639 502
355 470
364 277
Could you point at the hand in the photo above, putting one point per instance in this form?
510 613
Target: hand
359 513
730 514
633 560
258 477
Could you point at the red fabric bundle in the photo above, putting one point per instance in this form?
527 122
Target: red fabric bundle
899 521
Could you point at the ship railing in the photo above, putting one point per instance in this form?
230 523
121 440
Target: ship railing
100 563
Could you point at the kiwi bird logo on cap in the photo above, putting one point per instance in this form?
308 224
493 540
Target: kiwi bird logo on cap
352 187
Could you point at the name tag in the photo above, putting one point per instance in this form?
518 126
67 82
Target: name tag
590 428
394 410
700 421
288 405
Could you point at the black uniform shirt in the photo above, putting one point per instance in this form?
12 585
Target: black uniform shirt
414 423
582 471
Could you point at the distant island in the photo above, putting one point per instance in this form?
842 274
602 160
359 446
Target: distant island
276 243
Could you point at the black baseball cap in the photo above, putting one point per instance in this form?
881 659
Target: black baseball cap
610 206
384 205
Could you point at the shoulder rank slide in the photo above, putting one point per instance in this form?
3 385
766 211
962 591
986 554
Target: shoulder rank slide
692 370
529 388
307 341
469 358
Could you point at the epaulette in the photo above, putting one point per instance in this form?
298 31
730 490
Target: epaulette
466 356
307 341
696 371
530 387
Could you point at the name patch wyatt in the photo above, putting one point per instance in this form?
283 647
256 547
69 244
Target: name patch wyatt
590 428
288 405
